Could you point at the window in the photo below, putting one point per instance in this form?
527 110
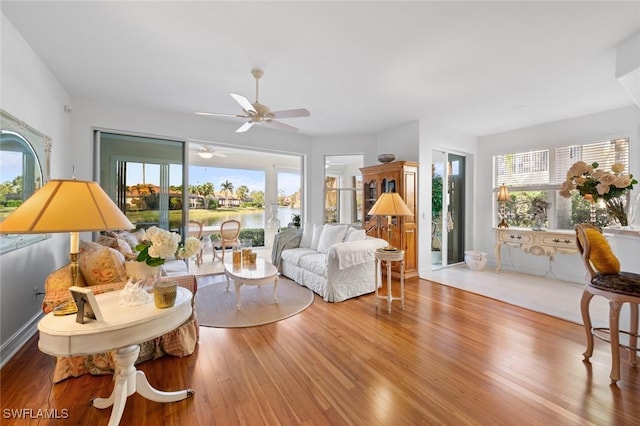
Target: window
289 196
342 188
144 176
537 175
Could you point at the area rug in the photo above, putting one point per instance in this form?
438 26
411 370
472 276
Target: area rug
216 307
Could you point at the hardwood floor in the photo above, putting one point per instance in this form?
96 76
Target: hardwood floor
450 357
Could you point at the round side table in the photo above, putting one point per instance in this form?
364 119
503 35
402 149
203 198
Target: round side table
388 256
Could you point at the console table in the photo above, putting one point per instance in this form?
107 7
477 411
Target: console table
122 329
538 243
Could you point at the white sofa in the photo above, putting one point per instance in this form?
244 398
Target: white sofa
334 261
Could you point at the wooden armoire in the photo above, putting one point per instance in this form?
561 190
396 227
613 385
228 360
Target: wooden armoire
400 177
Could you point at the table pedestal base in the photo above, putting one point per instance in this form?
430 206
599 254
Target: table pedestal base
130 381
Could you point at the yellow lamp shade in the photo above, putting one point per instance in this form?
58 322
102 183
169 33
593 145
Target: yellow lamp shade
65 206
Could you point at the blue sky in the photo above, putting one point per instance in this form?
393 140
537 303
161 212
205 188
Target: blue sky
254 180
11 165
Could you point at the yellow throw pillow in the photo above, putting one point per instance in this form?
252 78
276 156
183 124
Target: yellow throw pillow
100 264
601 256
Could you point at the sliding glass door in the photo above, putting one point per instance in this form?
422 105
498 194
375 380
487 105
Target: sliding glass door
145 178
447 209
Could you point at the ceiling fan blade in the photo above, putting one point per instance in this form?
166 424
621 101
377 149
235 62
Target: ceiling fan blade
216 114
280 125
291 113
244 103
246 126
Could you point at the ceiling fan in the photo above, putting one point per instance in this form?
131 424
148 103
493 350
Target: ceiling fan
206 152
257 113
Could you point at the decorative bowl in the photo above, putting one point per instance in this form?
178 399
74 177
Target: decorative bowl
386 158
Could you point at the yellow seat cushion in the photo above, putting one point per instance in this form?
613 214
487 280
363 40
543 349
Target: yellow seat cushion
601 256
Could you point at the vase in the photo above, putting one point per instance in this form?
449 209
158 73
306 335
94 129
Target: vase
273 226
141 271
616 210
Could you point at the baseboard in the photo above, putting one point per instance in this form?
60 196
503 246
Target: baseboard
18 340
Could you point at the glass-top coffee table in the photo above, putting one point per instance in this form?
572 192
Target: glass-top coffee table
262 272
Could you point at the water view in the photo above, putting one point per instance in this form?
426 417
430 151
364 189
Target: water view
252 219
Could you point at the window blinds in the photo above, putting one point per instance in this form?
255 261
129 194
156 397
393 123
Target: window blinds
545 167
606 154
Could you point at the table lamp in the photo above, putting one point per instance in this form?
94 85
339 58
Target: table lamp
503 197
66 206
390 204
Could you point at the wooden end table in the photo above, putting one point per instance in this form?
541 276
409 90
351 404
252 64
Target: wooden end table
388 256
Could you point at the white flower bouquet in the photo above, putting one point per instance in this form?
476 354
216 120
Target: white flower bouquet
158 244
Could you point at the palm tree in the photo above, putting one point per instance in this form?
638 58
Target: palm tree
242 192
207 189
227 187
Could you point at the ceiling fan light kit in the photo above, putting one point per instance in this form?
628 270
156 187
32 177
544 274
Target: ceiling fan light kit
257 113
206 153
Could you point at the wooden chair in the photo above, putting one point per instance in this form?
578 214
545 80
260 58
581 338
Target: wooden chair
606 280
229 237
195 230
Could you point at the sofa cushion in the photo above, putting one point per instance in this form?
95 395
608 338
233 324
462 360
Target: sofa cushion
317 232
100 264
355 234
307 236
331 234
316 263
293 256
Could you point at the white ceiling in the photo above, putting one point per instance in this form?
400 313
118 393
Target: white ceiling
474 67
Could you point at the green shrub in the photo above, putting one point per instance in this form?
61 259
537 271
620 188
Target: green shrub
256 235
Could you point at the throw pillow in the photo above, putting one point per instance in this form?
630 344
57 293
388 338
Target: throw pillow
56 288
331 234
317 231
601 256
100 264
130 238
307 235
107 241
354 234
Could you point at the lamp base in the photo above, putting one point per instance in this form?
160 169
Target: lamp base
503 224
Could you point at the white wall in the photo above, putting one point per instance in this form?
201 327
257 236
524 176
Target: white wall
623 122
401 140
32 94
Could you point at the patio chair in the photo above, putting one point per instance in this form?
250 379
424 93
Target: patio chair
606 280
229 237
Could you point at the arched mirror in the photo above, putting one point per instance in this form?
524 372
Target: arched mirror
24 168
